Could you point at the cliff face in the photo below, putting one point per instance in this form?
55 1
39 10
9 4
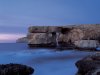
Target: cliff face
43 36
90 31
52 36
41 39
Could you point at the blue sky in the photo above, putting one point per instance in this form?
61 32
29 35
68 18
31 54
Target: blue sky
17 15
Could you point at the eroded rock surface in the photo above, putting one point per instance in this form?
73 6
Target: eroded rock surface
65 36
89 65
86 44
41 39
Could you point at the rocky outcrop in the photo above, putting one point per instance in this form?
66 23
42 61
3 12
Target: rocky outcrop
89 65
51 36
15 69
22 40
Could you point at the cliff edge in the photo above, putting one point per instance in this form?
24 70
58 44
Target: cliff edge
69 36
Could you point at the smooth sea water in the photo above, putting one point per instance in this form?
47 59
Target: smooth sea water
44 61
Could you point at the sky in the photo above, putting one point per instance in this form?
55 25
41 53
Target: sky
17 15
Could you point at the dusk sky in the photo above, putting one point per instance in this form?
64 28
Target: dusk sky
17 15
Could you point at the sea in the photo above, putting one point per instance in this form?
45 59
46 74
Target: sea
45 61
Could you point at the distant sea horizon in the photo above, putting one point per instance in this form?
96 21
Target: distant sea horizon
10 37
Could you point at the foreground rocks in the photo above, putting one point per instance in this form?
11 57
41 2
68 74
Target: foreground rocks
15 69
89 65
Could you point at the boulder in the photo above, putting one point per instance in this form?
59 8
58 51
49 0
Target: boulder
15 69
89 65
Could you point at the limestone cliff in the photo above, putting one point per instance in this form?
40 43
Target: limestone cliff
52 36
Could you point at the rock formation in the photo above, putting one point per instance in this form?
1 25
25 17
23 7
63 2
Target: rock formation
15 69
87 44
89 65
41 40
22 40
64 36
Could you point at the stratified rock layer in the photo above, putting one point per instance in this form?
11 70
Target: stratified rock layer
41 39
64 36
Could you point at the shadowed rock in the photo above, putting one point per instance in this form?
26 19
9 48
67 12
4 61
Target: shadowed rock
89 65
15 69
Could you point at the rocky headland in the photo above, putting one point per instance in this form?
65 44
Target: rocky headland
22 40
82 37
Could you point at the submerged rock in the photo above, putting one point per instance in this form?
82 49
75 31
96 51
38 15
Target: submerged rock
15 69
89 65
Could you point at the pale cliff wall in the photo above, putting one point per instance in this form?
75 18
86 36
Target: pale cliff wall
51 35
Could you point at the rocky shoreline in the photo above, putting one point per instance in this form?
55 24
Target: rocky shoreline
89 65
84 37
